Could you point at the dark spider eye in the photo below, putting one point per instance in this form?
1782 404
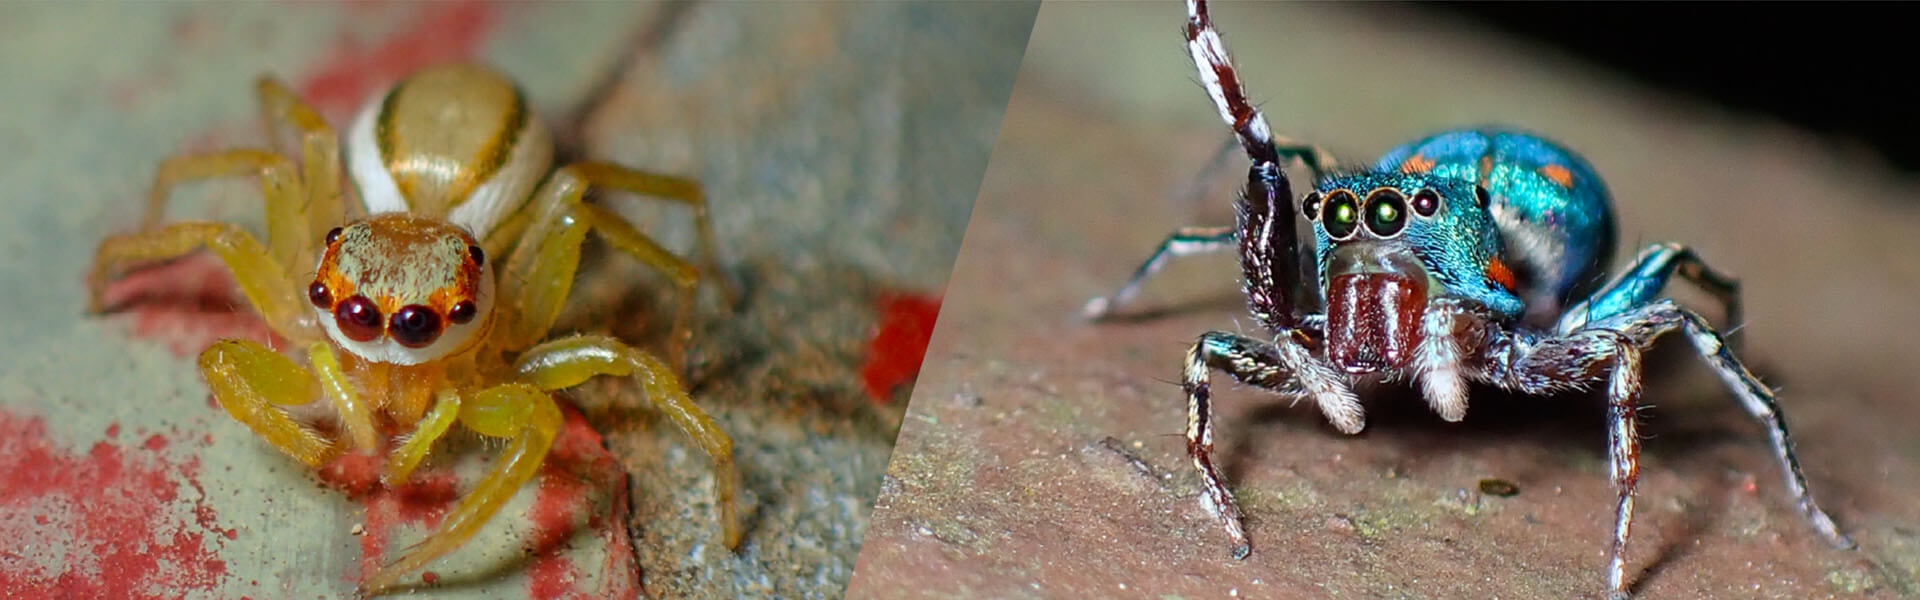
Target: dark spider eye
1426 202
414 326
1386 212
359 318
479 257
1480 196
320 295
1310 206
1342 214
462 312
333 235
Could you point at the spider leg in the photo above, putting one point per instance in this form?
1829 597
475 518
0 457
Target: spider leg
566 362
355 412
539 274
1268 242
524 415
1572 360
1640 283
1186 241
261 279
1663 315
1438 358
251 381
1285 367
319 154
429 429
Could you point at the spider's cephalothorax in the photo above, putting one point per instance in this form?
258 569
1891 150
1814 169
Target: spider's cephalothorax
429 307
1471 255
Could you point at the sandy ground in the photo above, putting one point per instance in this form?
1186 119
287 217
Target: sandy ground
1042 457
841 147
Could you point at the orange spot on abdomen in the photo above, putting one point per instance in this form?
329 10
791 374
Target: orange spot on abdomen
1558 175
1417 163
1499 273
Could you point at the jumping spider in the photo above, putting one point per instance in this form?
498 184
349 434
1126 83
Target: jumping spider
406 325
1464 256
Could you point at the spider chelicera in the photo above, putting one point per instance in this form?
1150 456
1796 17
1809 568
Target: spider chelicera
431 307
1464 256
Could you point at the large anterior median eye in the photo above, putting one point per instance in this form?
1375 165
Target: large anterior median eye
1386 212
358 318
414 326
1341 214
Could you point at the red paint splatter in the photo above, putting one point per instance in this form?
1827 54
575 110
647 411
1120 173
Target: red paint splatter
578 464
102 523
438 33
897 349
189 303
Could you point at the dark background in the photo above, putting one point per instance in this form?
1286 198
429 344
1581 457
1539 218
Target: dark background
1842 70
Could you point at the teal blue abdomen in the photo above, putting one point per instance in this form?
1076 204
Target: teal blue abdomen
1555 218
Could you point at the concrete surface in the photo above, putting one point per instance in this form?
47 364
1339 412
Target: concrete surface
841 146
1043 457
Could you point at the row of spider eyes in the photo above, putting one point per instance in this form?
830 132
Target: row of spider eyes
1385 210
414 325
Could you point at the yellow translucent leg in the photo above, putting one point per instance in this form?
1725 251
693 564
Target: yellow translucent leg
319 154
539 274
263 282
280 185
567 362
353 409
250 380
429 430
526 416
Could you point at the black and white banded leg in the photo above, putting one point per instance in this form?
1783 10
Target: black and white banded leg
1187 241
1285 367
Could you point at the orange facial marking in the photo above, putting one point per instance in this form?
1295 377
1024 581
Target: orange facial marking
1558 174
1417 163
1499 273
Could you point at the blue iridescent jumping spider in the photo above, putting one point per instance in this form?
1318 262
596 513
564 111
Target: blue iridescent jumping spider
1466 256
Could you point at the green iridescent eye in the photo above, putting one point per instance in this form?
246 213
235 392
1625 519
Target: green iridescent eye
1386 212
1341 214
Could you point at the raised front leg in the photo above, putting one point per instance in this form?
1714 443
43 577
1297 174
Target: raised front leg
539 274
1268 242
1284 367
1186 241
568 361
523 415
263 281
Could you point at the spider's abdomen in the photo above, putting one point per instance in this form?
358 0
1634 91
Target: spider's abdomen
455 142
1553 212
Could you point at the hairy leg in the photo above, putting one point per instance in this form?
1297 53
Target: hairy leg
252 381
528 419
568 361
539 274
1284 367
263 281
319 155
1646 278
1187 241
